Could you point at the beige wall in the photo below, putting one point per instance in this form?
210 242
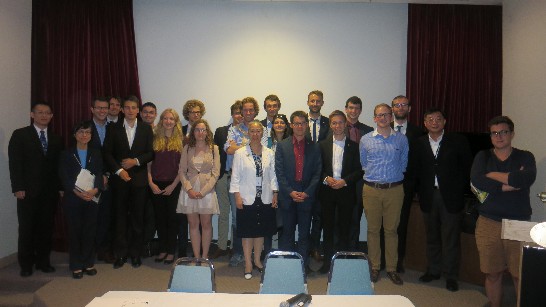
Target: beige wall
524 83
15 33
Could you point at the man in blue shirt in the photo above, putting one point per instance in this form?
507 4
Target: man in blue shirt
384 157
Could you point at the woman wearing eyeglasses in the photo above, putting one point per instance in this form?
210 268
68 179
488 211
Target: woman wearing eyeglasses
504 174
81 201
199 171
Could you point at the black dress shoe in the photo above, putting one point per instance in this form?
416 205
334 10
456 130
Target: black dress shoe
46 268
257 268
452 285
119 262
136 262
77 275
427 277
26 273
325 268
91 271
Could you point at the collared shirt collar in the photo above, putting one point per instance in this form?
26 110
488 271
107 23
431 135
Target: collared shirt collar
376 133
40 129
439 138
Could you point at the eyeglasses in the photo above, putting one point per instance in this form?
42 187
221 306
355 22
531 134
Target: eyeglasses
299 124
434 120
195 112
400 105
101 108
148 112
497 133
200 130
40 113
383 115
84 132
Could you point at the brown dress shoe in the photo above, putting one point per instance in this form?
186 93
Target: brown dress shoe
395 278
375 276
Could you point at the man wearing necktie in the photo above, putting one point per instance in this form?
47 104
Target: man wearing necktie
33 153
355 130
319 128
401 108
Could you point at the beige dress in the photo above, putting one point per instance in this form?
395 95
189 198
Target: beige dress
200 173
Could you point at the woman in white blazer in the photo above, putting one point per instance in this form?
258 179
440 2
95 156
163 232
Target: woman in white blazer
254 184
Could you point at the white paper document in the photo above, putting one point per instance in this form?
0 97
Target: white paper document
85 182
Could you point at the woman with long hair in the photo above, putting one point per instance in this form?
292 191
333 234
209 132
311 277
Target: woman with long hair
199 171
164 182
279 131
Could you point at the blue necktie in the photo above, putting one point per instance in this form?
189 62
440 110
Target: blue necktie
399 128
43 140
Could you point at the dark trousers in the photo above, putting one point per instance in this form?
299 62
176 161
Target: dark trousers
339 201
35 216
316 226
443 238
149 219
81 217
105 223
166 219
129 201
358 210
296 214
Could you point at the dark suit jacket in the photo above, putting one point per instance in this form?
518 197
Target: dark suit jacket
285 163
220 138
116 148
362 128
351 169
452 166
69 168
30 170
324 129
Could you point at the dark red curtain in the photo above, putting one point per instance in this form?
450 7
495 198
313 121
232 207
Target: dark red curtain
455 62
81 49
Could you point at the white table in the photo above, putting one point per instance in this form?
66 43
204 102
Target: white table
152 299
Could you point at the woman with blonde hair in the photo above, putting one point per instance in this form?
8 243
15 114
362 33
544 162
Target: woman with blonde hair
164 182
199 171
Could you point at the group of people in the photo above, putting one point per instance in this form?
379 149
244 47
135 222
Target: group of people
309 171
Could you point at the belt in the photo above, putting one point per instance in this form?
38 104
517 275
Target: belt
382 185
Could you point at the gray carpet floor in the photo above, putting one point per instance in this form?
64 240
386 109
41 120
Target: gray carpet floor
59 289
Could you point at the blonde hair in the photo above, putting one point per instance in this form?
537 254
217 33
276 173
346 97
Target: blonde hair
172 143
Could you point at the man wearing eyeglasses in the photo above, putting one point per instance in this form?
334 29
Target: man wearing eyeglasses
506 175
148 113
192 111
401 108
99 109
298 166
384 157
440 162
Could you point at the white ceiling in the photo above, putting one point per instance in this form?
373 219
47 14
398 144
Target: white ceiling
470 2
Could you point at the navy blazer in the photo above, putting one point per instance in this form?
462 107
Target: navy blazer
116 148
351 169
70 167
324 129
452 166
285 163
220 138
30 170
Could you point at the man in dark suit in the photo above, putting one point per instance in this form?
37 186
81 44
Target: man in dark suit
341 170
441 163
355 130
127 149
272 105
33 154
401 108
99 109
319 128
298 179
222 185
